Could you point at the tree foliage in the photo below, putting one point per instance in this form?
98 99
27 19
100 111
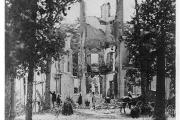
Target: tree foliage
153 40
133 77
31 35
142 42
38 17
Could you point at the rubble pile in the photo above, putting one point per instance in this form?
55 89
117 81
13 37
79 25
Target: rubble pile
114 104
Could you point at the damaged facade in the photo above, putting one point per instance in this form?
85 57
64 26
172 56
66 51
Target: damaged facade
100 51
62 75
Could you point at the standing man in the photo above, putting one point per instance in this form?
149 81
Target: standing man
93 101
80 100
39 106
58 100
53 97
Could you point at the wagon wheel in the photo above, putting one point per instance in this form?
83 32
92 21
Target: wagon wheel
139 103
171 110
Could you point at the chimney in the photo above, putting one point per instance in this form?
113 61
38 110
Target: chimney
105 11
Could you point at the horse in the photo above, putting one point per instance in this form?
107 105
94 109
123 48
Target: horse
126 100
123 102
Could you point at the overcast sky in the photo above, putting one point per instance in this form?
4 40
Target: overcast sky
93 9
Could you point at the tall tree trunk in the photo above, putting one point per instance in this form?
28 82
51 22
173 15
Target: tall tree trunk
47 104
9 108
29 92
9 94
118 33
83 78
31 62
7 97
82 51
12 110
160 83
83 89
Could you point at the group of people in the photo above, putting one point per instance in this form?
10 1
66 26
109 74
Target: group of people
58 99
93 100
55 99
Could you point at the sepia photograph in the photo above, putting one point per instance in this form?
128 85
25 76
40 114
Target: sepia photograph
90 60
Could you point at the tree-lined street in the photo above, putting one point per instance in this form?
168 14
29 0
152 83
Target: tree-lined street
99 67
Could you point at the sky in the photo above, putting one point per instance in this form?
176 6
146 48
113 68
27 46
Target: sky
93 9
